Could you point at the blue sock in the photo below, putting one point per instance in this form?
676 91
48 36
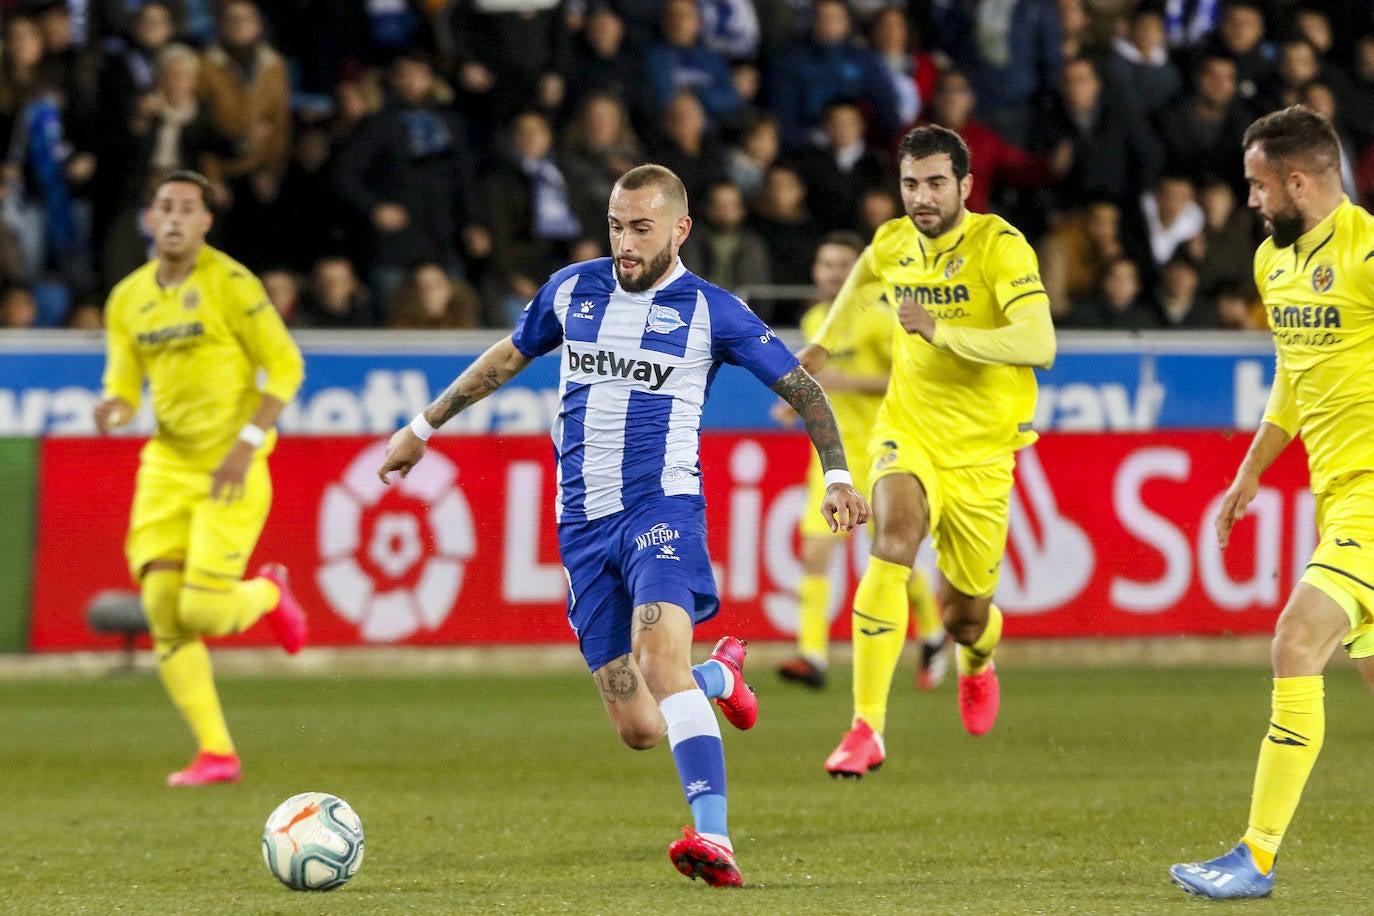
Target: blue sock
710 677
694 736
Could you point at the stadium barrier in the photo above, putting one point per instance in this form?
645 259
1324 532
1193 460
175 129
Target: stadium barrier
1111 535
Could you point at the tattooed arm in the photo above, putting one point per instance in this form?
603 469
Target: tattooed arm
498 365
842 507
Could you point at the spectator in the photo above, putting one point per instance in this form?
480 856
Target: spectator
723 251
688 148
1319 96
1179 297
337 298
1076 253
1238 309
510 56
1011 51
1141 64
244 88
781 218
910 68
598 147
1187 25
758 148
168 130
1114 156
43 174
430 300
530 215
129 64
85 315
680 62
827 66
1202 131
1240 36
1298 65
877 206
1172 216
406 174
18 308
1357 108
1117 304
731 29
1224 250
601 64
283 288
1000 164
838 173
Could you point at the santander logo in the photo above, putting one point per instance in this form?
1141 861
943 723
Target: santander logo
1049 559
392 558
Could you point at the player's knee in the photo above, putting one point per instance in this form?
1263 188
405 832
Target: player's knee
206 612
641 736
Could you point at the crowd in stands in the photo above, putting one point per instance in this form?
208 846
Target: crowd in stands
427 163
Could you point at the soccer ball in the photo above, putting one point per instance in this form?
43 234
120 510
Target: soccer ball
313 842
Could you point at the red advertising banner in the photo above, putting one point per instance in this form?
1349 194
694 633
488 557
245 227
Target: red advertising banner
1111 535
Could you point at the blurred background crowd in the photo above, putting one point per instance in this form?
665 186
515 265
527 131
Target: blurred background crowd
427 163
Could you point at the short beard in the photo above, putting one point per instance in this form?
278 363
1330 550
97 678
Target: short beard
944 225
652 272
1285 229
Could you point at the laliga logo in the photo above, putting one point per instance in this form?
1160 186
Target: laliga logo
1050 558
393 557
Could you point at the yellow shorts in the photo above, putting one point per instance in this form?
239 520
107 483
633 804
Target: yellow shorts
969 508
174 518
1343 563
813 523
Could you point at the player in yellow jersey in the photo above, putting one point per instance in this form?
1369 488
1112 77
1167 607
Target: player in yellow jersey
855 378
967 292
198 327
1315 275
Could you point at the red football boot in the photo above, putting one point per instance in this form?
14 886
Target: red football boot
287 620
697 857
741 707
208 768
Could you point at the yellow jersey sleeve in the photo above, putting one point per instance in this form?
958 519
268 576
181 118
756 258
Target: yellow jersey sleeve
124 371
1282 409
266 341
1014 278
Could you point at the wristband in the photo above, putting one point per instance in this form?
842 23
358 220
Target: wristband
255 436
421 428
838 475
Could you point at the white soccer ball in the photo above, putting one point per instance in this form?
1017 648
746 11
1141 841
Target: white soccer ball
313 842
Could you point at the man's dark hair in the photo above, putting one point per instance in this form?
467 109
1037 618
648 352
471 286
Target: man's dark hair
1296 137
186 176
931 140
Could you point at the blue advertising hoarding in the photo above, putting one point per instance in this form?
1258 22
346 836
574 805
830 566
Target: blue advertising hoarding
372 383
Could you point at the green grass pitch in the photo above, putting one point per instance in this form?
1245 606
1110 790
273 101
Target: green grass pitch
503 793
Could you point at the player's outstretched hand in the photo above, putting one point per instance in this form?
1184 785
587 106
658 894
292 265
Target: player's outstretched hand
402 452
227 482
110 413
1234 504
844 509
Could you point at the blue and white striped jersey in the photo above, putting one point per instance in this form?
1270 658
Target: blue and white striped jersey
635 372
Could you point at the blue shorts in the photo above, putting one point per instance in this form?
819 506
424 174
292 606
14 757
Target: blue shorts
655 551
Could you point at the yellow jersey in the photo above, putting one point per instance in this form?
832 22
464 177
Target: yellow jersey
862 349
968 396
1318 294
200 345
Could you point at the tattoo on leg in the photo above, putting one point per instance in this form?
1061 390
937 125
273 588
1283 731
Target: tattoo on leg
648 615
618 680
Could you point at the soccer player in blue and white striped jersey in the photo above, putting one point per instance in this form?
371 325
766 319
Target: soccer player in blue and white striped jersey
640 340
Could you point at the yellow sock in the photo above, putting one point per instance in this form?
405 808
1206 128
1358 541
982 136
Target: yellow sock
183 662
813 624
1297 729
975 659
213 611
881 615
922 600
